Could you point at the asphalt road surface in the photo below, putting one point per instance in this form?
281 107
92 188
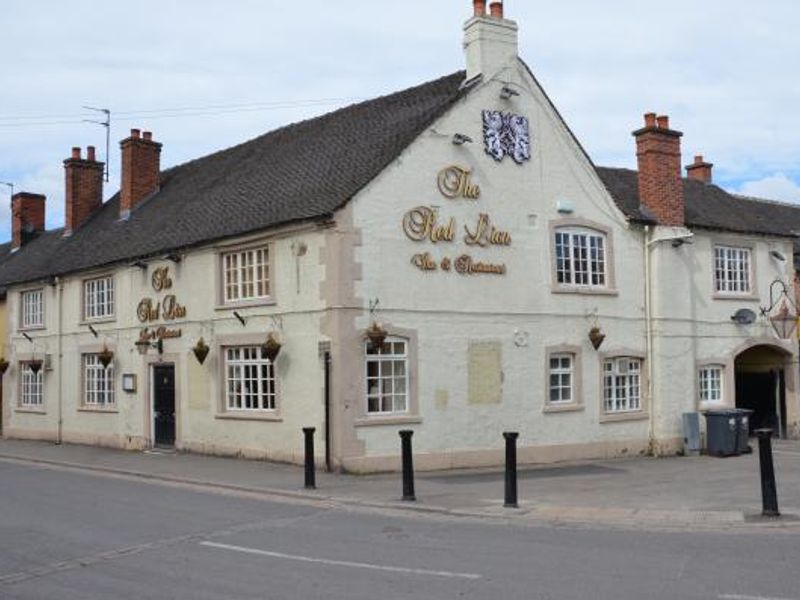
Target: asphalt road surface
70 535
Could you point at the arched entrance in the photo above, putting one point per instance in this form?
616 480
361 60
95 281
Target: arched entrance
761 373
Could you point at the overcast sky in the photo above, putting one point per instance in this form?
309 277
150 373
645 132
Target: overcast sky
724 70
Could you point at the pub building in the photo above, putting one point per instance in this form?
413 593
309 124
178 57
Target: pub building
446 259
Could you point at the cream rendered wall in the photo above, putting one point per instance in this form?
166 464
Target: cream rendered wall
448 311
693 326
200 426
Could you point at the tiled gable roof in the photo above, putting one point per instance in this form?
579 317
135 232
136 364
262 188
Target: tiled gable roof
708 206
300 172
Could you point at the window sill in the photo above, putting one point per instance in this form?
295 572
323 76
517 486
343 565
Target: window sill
92 409
387 420
584 291
563 408
31 411
32 328
232 416
622 417
246 304
737 297
97 321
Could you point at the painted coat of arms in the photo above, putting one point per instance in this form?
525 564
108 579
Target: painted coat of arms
506 134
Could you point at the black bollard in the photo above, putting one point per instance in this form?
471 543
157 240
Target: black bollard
511 469
408 467
311 476
769 492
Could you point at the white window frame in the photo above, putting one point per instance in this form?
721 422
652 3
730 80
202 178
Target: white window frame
245 366
711 384
386 392
31 393
99 383
623 385
575 266
98 298
559 372
32 308
246 275
733 270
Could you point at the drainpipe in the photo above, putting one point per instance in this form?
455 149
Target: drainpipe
60 284
648 320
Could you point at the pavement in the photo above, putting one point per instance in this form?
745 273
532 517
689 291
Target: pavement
676 493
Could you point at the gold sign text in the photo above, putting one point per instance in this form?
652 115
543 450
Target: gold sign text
454 182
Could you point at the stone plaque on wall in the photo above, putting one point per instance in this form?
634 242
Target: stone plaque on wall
485 373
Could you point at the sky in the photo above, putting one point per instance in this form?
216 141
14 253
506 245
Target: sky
206 75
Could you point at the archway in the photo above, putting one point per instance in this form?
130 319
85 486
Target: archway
761 386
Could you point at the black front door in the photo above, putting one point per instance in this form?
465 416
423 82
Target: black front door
164 404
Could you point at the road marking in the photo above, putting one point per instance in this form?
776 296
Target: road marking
741 597
342 563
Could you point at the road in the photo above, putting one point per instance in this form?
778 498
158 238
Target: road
75 535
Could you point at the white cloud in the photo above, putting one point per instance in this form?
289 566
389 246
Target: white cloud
774 187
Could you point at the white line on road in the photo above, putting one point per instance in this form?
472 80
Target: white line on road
342 563
741 597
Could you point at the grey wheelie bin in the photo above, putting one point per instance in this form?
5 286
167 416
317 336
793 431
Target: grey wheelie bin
722 432
743 439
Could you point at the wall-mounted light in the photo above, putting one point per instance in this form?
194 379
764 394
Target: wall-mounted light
174 257
140 264
93 330
240 317
777 255
459 139
508 92
784 321
143 345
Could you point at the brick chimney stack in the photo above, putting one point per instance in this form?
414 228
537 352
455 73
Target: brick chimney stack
27 217
700 170
141 169
658 149
490 41
84 188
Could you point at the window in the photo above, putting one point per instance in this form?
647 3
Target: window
98 382
249 379
580 257
32 387
246 275
622 379
562 369
387 377
32 308
98 298
711 383
732 270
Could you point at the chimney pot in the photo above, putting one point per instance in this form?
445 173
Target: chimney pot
135 133
496 9
90 153
480 7
147 135
76 152
698 160
663 122
650 120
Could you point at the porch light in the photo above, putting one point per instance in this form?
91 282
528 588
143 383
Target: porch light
784 322
143 345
